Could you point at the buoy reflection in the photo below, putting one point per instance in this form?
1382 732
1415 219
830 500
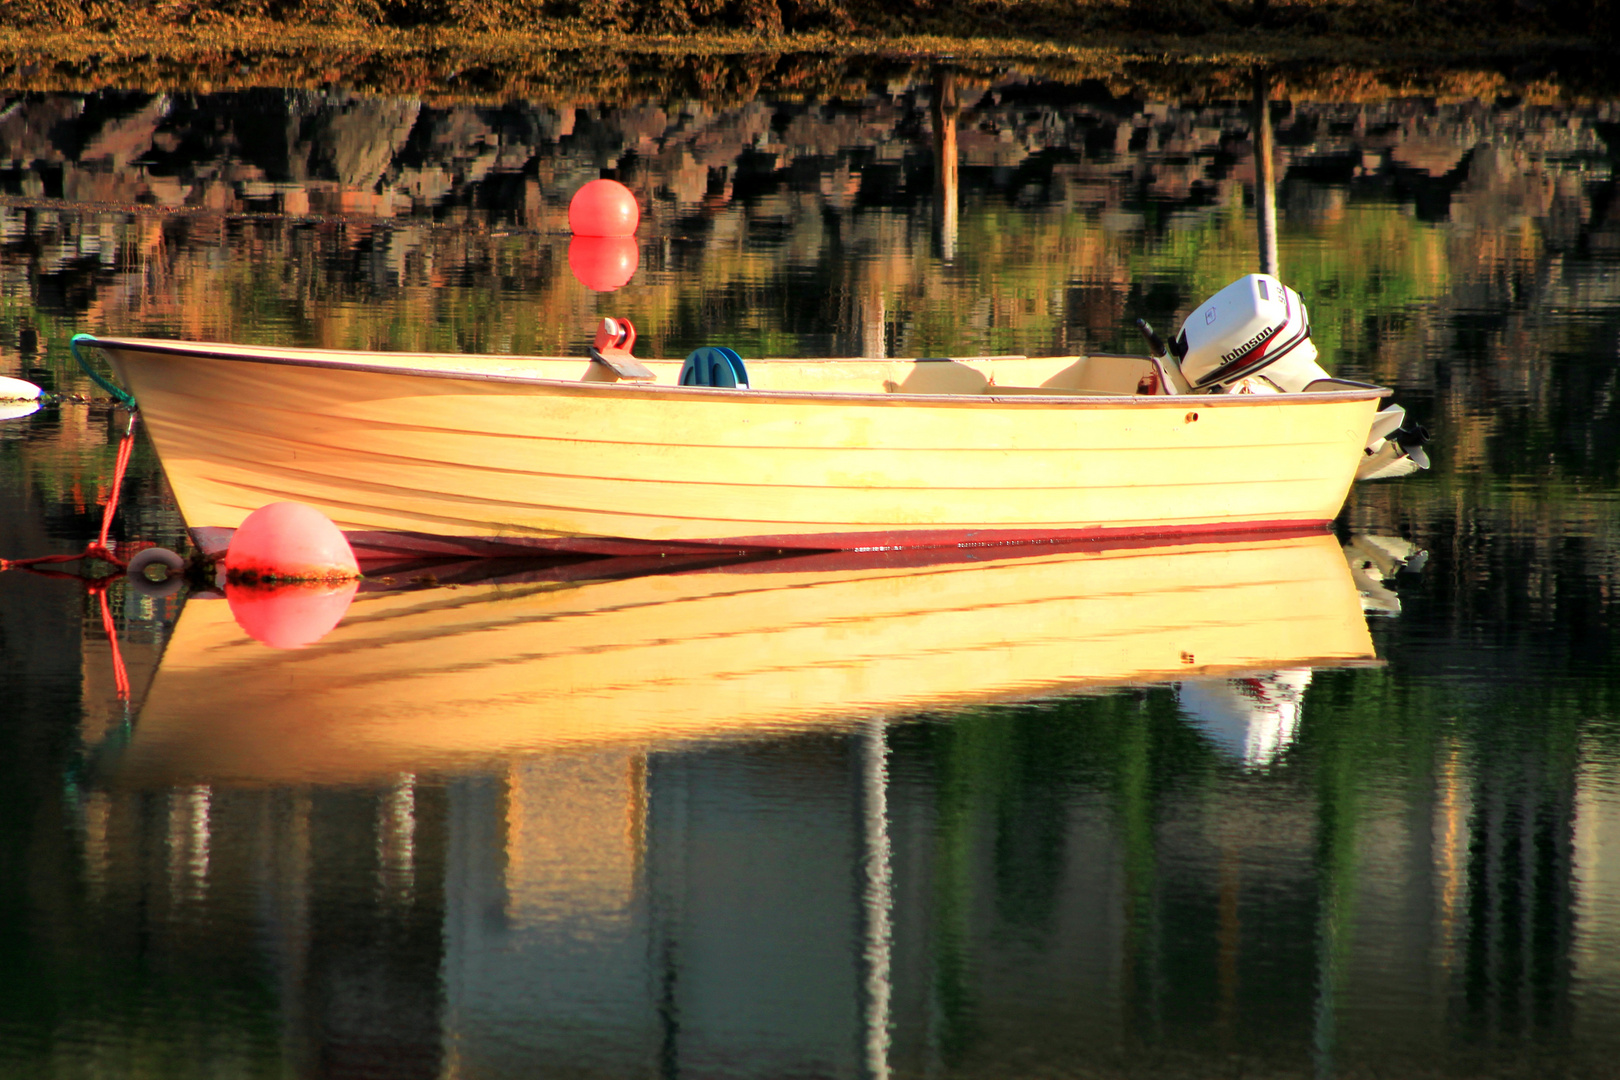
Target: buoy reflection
603 263
289 616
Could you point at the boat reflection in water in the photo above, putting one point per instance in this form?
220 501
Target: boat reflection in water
416 679
1255 717
575 795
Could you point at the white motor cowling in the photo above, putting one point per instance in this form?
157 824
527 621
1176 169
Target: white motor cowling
1254 337
1256 324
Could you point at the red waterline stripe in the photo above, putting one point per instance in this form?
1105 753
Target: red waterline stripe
377 546
894 539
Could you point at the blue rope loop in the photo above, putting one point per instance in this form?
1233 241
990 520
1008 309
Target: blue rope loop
715 365
122 396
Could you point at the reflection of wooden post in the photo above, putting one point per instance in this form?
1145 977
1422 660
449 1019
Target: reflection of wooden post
945 164
1451 842
1228 935
1265 176
292 861
871 318
877 900
396 840
1141 958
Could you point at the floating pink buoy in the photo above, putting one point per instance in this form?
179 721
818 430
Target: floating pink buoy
603 208
289 541
603 263
289 616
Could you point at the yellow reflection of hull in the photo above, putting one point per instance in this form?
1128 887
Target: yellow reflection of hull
446 678
817 455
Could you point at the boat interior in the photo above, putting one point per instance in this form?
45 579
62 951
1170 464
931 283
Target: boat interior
1101 374
995 375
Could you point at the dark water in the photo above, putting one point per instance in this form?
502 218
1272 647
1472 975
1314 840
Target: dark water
1409 868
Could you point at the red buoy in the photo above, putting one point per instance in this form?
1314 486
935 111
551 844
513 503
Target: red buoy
289 616
603 208
603 263
289 541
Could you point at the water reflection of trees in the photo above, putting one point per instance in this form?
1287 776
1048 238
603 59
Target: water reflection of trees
1079 884
1413 838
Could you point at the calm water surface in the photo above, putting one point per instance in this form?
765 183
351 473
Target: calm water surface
1323 807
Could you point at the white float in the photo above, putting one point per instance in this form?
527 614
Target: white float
18 398
19 390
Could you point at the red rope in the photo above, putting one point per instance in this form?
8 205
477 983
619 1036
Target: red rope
120 673
97 587
96 549
126 447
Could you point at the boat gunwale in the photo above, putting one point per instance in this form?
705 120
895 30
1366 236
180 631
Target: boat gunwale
277 356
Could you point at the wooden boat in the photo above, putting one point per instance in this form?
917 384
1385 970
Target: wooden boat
464 455
441 679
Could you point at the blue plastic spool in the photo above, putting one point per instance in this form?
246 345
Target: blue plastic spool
716 366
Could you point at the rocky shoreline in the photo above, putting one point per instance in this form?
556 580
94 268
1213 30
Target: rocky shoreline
575 63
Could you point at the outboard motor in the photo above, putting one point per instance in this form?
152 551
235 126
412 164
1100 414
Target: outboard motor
1254 337
1254 324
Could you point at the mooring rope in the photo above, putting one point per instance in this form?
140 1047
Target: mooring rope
97 548
123 396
